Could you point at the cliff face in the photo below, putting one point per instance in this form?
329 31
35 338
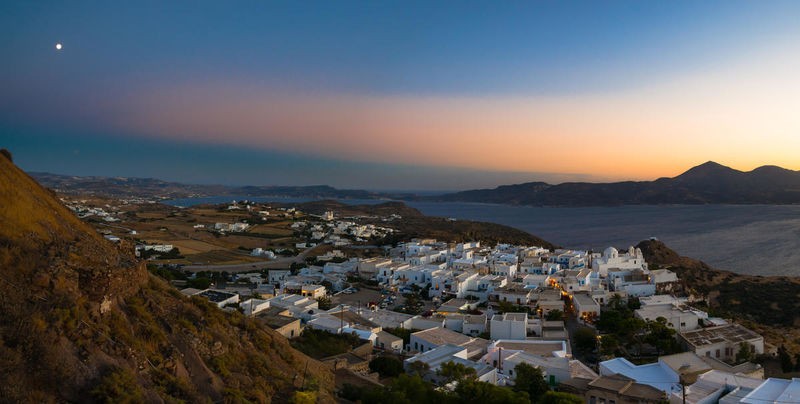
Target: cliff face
49 252
81 320
771 301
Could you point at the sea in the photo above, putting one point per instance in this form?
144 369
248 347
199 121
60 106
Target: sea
747 239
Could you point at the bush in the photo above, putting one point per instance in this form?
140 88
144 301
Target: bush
386 366
118 386
320 344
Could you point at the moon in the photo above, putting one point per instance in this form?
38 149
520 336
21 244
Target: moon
58 46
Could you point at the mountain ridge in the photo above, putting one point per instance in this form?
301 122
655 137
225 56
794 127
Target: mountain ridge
708 183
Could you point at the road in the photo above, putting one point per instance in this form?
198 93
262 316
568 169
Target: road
278 263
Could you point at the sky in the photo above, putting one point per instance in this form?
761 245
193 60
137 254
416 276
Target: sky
399 95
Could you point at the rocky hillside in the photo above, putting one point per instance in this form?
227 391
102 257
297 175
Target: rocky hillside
82 321
416 225
772 301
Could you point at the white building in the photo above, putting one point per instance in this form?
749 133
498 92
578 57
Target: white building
252 307
440 355
389 342
585 306
657 375
426 340
722 342
276 277
717 387
220 297
611 258
775 391
516 294
509 326
677 314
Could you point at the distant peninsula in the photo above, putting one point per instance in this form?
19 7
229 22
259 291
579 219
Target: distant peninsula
708 183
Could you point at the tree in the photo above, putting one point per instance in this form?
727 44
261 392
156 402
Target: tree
404 333
786 360
199 283
418 368
609 344
386 366
473 391
585 339
744 354
351 392
530 380
415 390
452 371
615 302
505 307
661 336
554 315
552 397
325 303
634 303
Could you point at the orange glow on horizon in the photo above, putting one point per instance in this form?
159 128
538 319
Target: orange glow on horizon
640 134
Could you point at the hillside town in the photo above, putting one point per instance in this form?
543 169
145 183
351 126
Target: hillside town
603 326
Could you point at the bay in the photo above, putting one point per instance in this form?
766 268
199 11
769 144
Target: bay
748 239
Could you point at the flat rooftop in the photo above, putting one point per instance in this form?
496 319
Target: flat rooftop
385 318
539 348
510 317
731 333
273 319
442 336
549 295
216 296
584 299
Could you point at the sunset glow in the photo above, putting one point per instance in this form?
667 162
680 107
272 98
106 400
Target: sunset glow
531 92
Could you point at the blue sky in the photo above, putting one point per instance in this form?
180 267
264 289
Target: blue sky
412 95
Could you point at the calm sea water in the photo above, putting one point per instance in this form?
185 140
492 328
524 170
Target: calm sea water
759 240
751 239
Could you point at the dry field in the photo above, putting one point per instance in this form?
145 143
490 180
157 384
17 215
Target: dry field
222 257
157 224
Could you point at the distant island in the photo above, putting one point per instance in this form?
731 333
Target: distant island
708 183
123 187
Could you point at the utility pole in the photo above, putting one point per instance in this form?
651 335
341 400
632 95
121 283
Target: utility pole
304 376
500 359
683 388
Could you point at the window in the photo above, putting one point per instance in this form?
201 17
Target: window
717 353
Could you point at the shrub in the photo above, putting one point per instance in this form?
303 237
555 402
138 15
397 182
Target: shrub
118 386
386 366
